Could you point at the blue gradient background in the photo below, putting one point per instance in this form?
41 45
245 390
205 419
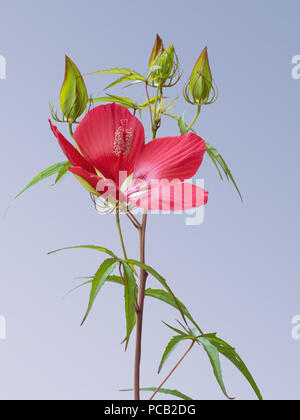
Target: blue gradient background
238 271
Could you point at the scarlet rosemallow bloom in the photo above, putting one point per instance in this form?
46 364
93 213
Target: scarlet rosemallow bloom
111 143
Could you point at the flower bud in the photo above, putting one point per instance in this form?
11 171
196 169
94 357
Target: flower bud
73 96
157 51
199 88
165 69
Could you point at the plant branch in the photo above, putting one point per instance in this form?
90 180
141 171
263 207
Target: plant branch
173 370
135 220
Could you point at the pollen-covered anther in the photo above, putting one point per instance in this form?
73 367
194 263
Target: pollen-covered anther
123 139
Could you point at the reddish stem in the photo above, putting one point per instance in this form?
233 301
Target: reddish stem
140 311
173 370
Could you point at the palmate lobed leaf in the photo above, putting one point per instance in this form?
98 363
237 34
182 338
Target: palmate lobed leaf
172 392
211 343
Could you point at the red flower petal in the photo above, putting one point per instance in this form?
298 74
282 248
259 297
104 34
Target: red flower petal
71 153
89 177
178 197
96 134
170 158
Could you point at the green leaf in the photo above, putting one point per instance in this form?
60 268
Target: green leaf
175 341
175 329
211 155
127 75
230 353
80 285
216 157
106 268
93 247
172 392
168 298
146 103
110 279
61 174
164 283
214 358
115 279
122 79
126 102
54 169
127 72
73 96
182 125
130 300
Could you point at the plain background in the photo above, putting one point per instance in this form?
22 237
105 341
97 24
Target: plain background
238 272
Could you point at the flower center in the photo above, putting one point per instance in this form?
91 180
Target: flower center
123 139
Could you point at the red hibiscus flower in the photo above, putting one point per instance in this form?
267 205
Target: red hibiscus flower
111 143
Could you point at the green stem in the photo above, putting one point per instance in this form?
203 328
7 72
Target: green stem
154 124
71 131
195 119
149 102
120 232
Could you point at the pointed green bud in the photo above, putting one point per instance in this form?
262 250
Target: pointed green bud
165 69
200 85
157 51
73 96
